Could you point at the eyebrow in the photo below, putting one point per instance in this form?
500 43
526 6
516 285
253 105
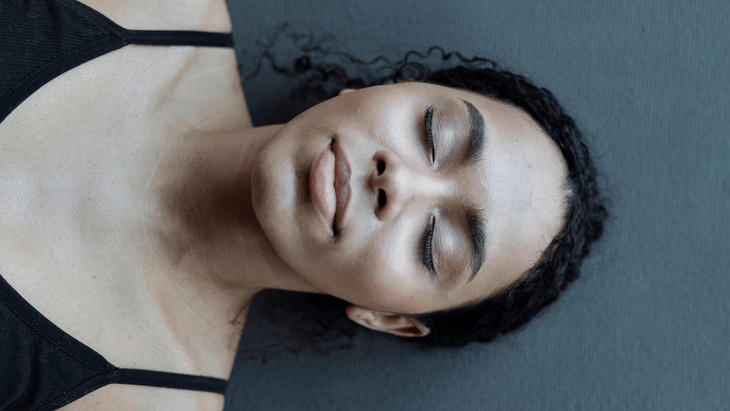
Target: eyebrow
475 223
475 146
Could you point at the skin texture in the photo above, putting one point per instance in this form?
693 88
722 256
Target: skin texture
374 260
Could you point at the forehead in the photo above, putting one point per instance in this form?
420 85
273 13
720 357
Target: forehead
523 173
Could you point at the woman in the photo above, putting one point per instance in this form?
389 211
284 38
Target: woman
141 211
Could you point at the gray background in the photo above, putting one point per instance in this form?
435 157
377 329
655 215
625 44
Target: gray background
646 327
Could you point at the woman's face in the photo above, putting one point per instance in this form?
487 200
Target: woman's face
357 202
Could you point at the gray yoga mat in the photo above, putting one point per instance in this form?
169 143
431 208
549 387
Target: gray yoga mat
647 325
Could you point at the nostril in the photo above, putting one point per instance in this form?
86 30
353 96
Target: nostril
381 198
381 167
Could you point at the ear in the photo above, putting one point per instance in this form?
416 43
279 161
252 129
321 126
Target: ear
345 91
392 323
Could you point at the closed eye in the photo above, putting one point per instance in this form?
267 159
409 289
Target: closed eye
428 126
427 247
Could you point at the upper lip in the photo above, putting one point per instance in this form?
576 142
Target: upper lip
342 183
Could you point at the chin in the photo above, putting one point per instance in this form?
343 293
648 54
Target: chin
264 194
273 188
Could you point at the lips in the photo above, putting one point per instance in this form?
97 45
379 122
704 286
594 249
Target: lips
341 184
329 182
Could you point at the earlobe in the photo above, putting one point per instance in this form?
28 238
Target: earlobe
392 323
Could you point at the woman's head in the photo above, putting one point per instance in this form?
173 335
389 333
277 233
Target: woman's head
419 226
486 205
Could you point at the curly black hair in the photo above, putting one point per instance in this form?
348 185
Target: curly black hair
513 306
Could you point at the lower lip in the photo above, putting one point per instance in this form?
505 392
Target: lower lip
321 183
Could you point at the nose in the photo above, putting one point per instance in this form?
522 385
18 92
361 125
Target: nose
397 185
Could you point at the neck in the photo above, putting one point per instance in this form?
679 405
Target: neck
206 225
207 255
204 236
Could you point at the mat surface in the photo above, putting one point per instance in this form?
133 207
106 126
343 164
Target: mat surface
647 325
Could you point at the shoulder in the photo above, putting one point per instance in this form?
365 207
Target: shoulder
197 15
202 15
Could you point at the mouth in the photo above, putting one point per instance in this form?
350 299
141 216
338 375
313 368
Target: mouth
341 184
329 182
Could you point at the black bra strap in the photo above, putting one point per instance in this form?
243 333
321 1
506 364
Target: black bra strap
176 38
161 379
156 37
147 378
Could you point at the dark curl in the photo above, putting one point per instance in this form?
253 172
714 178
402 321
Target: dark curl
585 210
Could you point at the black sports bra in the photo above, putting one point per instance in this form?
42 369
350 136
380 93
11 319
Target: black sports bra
41 366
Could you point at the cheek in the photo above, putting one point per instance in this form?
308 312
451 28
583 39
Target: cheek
387 122
384 277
